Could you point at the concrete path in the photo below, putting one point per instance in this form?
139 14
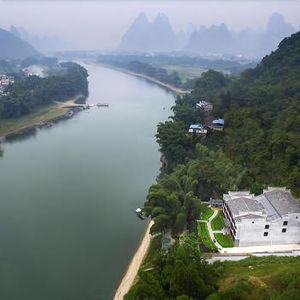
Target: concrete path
211 233
270 249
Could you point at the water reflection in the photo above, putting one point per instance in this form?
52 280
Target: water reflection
18 137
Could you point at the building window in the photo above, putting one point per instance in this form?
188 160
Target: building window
285 223
283 230
267 226
266 233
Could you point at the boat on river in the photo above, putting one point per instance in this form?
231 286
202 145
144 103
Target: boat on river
140 214
102 104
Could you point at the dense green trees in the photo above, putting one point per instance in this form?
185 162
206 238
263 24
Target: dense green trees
27 94
174 202
180 273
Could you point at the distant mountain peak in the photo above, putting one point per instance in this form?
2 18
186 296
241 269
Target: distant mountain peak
278 25
161 17
141 18
143 35
14 30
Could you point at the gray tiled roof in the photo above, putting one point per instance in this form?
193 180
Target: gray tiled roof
251 216
271 212
282 200
240 205
273 204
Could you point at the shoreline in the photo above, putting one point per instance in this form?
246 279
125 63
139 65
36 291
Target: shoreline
168 86
131 273
60 109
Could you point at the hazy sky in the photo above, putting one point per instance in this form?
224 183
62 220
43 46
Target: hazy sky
101 24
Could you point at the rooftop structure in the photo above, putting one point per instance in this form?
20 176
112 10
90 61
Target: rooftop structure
5 81
218 124
197 129
204 105
270 218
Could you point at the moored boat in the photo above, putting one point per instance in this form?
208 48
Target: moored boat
102 104
140 214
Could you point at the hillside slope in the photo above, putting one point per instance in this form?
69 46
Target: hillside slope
12 47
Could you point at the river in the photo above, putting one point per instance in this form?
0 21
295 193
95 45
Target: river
68 193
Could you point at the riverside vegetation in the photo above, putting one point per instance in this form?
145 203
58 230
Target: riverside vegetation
259 147
173 70
28 94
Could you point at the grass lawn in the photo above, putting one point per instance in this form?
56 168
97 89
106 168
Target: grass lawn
205 213
40 115
225 241
204 236
267 277
218 223
185 72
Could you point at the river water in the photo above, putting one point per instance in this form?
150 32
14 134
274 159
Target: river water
68 193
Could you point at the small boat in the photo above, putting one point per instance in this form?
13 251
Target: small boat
140 214
102 104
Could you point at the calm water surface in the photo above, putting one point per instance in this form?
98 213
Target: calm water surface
67 194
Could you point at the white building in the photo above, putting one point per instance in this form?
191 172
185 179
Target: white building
204 105
5 81
197 129
272 218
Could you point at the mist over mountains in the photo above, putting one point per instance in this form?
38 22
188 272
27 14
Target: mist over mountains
159 36
41 43
12 47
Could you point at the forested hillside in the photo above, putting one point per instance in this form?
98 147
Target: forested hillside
261 112
259 147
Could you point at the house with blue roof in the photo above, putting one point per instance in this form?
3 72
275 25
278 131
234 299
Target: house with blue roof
197 129
218 124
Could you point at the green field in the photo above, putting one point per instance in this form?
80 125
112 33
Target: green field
259 278
185 72
206 213
40 115
218 223
225 241
204 236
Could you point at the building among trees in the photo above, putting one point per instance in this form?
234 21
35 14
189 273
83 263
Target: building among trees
272 218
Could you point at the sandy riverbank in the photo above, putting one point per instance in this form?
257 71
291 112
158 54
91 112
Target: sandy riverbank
133 268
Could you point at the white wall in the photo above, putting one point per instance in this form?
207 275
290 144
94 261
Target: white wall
250 232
